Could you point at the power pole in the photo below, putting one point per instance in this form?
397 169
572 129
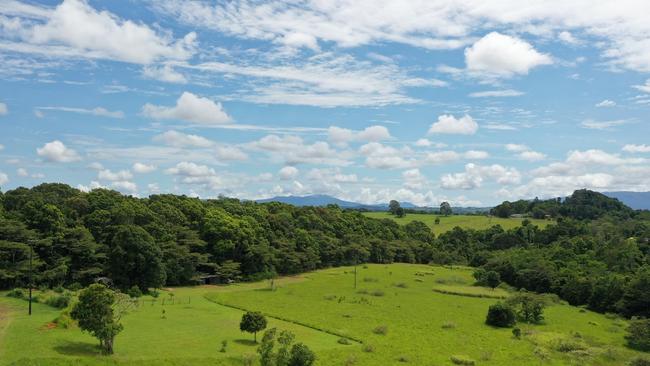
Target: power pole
356 260
31 251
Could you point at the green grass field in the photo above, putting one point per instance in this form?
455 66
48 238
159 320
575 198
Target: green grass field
421 324
449 222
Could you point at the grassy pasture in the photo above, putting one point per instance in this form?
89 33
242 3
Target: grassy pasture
449 222
397 311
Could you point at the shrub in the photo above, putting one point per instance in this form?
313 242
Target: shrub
75 286
401 285
500 315
301 355
528 307
516 332
134 292
382 329
378 293
224 345
59 301
58 289
448 325
403 359
17 293
368 348
640 361
344 341
462 360
638 335
568 345
370 279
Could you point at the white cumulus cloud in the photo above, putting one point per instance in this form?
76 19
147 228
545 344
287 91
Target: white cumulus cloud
56 151
190 108
449 124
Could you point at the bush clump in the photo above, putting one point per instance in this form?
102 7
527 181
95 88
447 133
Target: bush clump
378 293
462 360
134 292
59 301
344 341
500 315
17 293
638 335
382 329
640 361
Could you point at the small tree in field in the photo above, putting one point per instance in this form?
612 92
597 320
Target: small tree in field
445 208
252 322
500 315
492 279
638 336
98 312
301 355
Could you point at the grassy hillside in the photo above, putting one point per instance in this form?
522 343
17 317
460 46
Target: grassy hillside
427 314
449 222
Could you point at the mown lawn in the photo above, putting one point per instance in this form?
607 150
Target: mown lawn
190 334
449 222
394 312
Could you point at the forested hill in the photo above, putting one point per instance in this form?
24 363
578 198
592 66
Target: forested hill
582 204
601 260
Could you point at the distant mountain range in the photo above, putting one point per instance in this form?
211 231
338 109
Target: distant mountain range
324 200
635 200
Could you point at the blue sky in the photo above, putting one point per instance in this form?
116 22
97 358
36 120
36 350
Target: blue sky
420 101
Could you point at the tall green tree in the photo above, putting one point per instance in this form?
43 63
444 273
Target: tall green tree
95 314
135 259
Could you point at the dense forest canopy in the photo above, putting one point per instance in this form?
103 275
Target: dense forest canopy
597 253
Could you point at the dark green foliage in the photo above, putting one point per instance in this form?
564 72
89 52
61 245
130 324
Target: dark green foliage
595 254
18 293
301 355
135 259
516 332
394 207
490 279
639 361
445 208
286 355
252 322
500 315
94 314
134 291
527 306
638 335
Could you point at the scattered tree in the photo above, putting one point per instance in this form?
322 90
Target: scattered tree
445 208
437 221
638 334
98 312
301 355
252 322
298 355
529 307
492 279
393 207
500 315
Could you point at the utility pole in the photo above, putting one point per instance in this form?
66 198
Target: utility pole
356 260
31 251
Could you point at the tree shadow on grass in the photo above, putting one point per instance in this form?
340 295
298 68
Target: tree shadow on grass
78 349
246 342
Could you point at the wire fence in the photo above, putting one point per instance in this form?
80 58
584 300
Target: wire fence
165 301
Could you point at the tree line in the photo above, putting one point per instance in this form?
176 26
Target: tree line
596 253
